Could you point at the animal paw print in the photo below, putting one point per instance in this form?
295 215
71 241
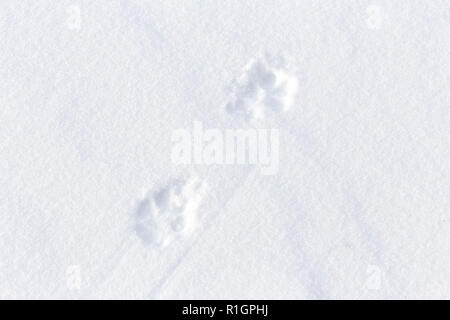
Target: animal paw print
374 17
170 212
263 87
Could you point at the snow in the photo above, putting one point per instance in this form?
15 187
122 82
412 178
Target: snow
262 88
93 207
169 212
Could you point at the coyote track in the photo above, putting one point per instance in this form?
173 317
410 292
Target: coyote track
170 212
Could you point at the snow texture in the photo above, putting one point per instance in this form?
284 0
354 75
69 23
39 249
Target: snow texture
169 212
92 207
262 88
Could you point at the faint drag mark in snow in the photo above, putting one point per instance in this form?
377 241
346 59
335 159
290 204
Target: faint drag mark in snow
163 216
447 14
156 290
73 22
169 213
374 278
369 239
309 270
263 87
138 16
375 17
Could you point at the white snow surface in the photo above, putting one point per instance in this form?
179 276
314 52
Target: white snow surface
92 207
